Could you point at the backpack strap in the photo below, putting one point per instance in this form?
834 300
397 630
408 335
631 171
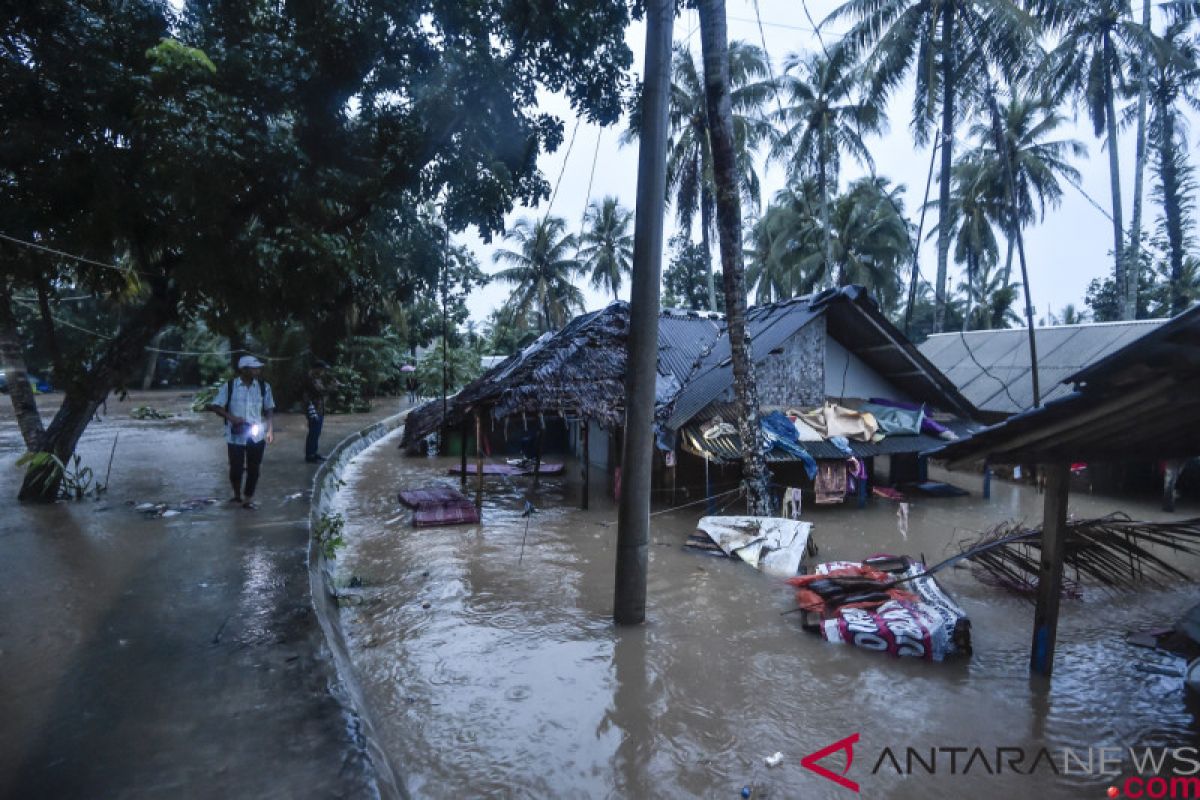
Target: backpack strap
229 396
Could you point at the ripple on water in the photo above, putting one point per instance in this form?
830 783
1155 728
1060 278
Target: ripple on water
515 683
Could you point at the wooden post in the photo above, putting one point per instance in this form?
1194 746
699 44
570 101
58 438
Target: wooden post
1049 591
1171 472
463 454
583 500
537 457
478 460
987 481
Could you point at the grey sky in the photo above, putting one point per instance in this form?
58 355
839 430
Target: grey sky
1065 252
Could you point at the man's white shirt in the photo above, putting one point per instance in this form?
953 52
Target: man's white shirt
248 403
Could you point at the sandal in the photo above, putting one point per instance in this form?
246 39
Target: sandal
250 505
234 500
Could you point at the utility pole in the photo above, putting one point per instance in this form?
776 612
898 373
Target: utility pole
445 291
633 515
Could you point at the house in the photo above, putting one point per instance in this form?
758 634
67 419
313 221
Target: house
992 368
565 391
834 346
1140 401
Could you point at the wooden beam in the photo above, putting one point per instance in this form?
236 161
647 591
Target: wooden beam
1049 589
1027 440
478 461
587 460
463 446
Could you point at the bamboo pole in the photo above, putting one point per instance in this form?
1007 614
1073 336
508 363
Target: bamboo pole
583 501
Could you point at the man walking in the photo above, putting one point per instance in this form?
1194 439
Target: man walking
247 406
315 388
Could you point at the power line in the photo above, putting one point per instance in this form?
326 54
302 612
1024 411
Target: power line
64 254
566 158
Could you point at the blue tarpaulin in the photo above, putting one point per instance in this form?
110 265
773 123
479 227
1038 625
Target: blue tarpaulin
779 431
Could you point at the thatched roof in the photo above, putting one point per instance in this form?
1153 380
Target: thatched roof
579 371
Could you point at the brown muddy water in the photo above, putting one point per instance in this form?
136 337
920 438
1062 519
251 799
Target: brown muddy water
515 683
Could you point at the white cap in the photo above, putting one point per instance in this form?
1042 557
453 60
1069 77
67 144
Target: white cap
249 361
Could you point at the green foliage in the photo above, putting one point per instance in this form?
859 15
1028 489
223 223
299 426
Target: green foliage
462 367
74 482
204 397
685 280
606 244
542 271
377 361
328 534
347 394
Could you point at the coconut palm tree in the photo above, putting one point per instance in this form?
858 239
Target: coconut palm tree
1095 39
689 152
951 46
542 270
970 219
823 116
1174 81
870 239
1036 160
606 244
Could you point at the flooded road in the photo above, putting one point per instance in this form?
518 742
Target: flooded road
513 682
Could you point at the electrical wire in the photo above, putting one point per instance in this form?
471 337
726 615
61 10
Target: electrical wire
72 256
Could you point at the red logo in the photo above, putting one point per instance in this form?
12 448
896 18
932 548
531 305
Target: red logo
847 744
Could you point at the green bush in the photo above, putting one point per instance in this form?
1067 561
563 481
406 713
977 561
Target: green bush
347 393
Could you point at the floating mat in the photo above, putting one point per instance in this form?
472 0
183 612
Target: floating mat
510 469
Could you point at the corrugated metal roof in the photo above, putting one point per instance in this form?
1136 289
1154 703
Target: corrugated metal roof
682 338
992 368
854 321
1139 401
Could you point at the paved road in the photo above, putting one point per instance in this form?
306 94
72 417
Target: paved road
175 656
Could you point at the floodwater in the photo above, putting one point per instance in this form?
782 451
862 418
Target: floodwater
515 683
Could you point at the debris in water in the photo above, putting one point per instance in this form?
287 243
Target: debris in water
426 604
774 761
149 412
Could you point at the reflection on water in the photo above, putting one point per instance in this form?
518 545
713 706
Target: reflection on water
514 682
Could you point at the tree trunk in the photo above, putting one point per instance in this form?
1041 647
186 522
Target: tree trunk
714 42
151 361
947 132
1008 258
121 355
1172 207
23 400
1122 270
705 227
823 181
1129 300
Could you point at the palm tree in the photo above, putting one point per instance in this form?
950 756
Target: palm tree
990 300
1174 79
725 147
822 119
542 269
970 219
1089 62
951 45
869 241
689 151
1036 162
606 245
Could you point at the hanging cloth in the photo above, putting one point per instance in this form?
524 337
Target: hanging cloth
793 502
830 484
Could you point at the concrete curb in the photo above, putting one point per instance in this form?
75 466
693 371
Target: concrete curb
326 484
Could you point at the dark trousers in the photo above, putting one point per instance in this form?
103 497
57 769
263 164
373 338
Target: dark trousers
314 436
245 458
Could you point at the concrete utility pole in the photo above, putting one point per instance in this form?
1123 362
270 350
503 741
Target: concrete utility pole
633 516
1050 574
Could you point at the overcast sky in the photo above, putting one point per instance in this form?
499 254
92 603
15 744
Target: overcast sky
1065 252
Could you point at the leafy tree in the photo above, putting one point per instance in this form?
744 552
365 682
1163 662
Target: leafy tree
257 162
690 185
606 244
685 277
506 333
870 241
462 366
824 117
1089 63
990 299
541 269
1174 81
951 47
1037 162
